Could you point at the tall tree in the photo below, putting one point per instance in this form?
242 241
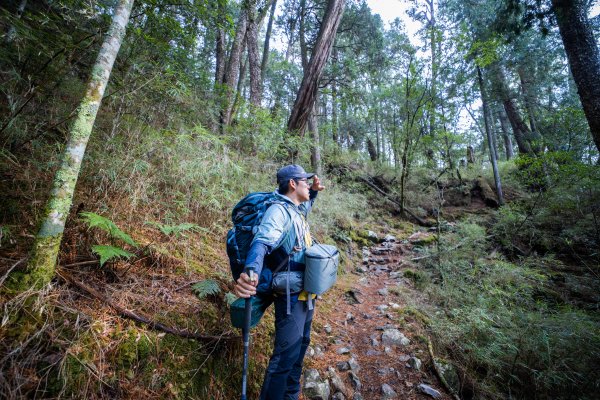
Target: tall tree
41 266
307 93
584 58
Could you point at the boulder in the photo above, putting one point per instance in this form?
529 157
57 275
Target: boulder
393 337
338 396
354 381
428 390
414 363
387 392
336 381
314 388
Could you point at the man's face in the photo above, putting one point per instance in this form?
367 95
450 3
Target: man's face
302 187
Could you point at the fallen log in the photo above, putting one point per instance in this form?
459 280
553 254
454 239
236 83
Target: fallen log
141 318
386 196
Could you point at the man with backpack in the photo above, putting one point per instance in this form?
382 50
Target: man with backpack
280 242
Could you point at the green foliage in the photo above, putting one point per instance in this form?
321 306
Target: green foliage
94 220
207 287
230 298
176 230
108 253
502 323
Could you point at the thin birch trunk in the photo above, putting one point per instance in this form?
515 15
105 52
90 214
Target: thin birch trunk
45 249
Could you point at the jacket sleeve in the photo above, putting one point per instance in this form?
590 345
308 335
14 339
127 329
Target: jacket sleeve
268 236
307 206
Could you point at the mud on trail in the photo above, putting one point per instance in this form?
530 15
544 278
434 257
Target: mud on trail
363 333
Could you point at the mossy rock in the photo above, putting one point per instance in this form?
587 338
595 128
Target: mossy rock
419 278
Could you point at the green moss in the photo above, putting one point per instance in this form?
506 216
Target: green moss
360 240
41 267
419 278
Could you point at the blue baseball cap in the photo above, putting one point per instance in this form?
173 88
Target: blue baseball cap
292 171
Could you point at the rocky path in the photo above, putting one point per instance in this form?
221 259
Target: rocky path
362 349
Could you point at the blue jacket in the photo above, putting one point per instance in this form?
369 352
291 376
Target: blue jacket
281 226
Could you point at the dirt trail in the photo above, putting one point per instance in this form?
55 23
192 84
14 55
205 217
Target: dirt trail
358 320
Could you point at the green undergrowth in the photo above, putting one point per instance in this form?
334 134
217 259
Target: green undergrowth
502 321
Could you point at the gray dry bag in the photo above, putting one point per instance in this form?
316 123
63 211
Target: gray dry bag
322 262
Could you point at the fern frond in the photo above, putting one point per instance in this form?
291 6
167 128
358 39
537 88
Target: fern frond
206 287
168 230
109 252
94 220
230 298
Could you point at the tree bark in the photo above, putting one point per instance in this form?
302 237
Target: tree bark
528 97
508 146
334 116
232 69
308 89
488 131
584 58
253 58
528 142
265 56
41 267
315 151
220 57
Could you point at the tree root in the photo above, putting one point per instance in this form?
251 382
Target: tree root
438 372
141 318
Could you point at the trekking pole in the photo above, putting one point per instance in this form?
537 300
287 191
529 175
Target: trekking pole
246 336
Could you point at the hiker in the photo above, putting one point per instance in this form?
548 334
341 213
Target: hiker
282 237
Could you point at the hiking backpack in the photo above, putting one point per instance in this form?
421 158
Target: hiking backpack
246 216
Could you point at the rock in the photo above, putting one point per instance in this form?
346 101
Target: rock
314 388
343 366
319 352
361 269
382 307
363 281
373 353
449 373
367 316
387 350
310 352
395 274
327 328
372 235
353 364
428 390
414 363
388 392
389 238
343 350
357 396
395 306
354 381
383 292
422 238
338 396
393 337
336 381
404 357
349 317
374 341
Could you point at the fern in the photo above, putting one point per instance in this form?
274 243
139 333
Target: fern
169 230
109 252
230 298
206 288
94 220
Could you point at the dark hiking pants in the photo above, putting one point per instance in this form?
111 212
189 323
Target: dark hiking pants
292 337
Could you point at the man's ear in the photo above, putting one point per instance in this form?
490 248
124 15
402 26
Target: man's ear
293 184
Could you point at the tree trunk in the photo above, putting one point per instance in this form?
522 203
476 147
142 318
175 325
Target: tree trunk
45 249
220 57
233 68
308 89
527 141
508 146
253 58
584 58
470 155
265 56
528 97
315 153
488 131
334 117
